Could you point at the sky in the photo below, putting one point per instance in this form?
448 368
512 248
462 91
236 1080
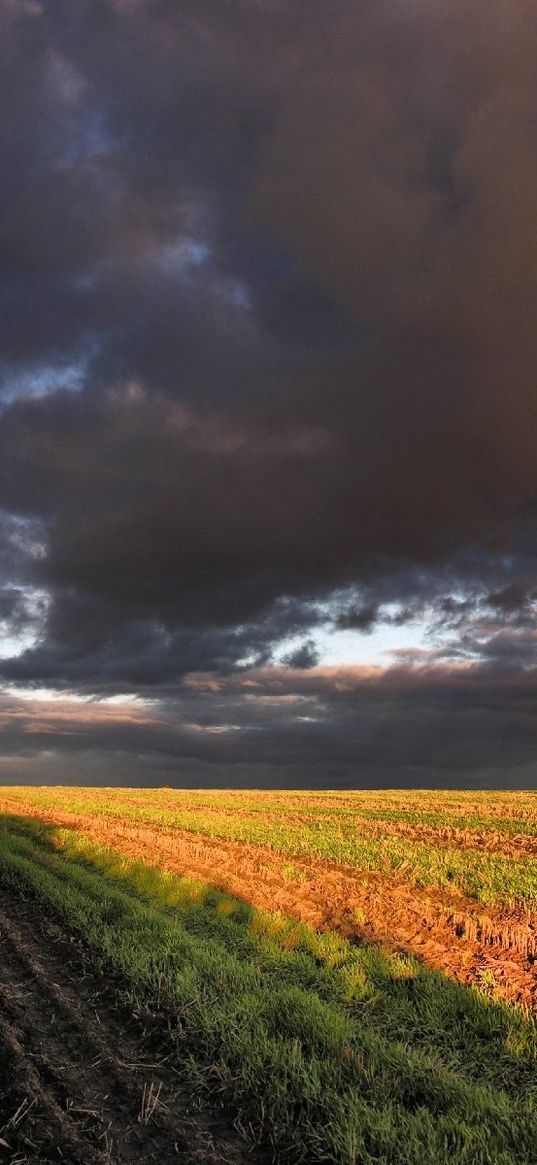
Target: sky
268 393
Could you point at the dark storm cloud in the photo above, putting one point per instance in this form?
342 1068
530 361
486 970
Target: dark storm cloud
425 727
98 648
267 334
303 657
419 222
358 618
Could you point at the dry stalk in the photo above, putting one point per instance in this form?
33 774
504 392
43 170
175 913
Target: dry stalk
150 1100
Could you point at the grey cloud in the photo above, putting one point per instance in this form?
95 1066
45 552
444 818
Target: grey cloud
287 258
358 618
303 657
431 727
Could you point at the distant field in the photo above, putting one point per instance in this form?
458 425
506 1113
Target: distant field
350 976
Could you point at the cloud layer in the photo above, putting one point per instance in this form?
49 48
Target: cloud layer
267 365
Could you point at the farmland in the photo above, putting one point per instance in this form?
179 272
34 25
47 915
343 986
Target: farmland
326 977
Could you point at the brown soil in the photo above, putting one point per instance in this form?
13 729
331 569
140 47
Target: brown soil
448 933
302 811
466 940
507 845
81 1080
452 837
444 836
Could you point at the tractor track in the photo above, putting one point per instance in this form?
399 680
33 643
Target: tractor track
82 1080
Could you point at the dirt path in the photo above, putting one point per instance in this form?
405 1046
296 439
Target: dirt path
80 1081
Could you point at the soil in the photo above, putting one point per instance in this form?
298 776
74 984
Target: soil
493 841
82 1080
474 944
441 835
492 948
477 945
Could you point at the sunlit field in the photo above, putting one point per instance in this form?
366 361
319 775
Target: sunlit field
350 977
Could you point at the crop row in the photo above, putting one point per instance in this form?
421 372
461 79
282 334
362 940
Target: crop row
513 812
486 876
325 1051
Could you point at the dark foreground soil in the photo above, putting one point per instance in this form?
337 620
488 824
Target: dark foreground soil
81 1079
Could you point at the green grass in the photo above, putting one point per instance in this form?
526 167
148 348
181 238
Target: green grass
329 1052
512 826
489 877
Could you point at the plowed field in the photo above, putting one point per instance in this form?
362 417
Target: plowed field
480 934
278 977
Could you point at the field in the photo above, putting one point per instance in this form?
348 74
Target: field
293 977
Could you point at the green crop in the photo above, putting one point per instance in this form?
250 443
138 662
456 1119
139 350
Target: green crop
325 1051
